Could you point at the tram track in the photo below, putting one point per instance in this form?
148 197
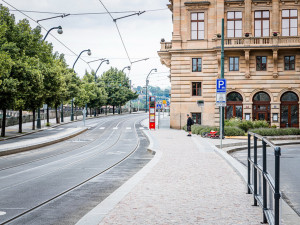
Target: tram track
87 179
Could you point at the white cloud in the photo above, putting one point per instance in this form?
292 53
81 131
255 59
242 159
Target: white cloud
141 34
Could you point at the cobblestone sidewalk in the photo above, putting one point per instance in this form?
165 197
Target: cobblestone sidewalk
190 184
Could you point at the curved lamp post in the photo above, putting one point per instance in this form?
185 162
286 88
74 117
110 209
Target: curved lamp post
60 31
126 67
147 81
102 61
72 110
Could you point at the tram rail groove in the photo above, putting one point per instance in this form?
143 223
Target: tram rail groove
81 183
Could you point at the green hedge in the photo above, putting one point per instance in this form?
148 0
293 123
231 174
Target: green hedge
233 131
246 124
276 132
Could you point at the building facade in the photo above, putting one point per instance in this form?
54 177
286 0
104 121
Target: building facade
262 60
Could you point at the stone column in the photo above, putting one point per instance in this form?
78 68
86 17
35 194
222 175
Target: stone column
275 16
220 15
176 38
248 15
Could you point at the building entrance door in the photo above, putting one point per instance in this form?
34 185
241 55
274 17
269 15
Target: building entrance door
261 106
289 110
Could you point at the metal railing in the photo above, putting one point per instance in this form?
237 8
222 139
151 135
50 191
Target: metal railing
265 190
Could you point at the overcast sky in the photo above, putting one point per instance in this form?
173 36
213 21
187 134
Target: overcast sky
141 34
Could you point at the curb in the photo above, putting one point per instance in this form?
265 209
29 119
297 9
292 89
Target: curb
32 147
56 125
97 214
291 217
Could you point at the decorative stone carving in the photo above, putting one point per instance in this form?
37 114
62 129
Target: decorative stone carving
197 5
275 59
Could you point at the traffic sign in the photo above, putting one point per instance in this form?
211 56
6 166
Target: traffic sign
221 99
164 102
158 106
221 86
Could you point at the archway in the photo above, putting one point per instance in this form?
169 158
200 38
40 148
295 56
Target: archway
289 110
261 106
234 105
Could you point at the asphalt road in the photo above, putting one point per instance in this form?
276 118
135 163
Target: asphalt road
60 183
289 171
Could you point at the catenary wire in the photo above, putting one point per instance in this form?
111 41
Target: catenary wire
45 30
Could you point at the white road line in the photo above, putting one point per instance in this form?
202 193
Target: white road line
128 128
141 128
2 213
115 128
101 128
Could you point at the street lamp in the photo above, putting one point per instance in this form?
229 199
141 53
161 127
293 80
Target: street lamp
104 60
126 67
38 121
89 53
147 81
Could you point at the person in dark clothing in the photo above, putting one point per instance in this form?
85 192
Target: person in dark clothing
189 124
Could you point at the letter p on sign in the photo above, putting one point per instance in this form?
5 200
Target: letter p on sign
221 85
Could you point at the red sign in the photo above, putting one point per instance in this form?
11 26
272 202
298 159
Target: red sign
152 104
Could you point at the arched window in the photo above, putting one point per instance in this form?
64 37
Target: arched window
234 106
289 110
261 106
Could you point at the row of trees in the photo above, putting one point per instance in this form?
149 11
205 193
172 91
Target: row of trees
32 75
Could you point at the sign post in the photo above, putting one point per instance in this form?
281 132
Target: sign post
221 102
152 105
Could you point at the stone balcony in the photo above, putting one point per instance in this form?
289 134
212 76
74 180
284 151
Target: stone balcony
165 46
262 42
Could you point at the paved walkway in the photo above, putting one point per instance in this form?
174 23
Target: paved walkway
190 184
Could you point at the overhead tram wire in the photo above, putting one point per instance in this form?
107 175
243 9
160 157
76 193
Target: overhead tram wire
45 30
114 20
86 13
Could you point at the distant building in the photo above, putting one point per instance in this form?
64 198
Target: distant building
262 60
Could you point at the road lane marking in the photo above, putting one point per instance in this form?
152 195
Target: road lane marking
2 213
128 128
141 128
101 128
115 128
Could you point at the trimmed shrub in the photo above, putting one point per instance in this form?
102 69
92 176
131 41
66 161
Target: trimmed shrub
260 124
184 128
233 131
245 125
276 132
233 122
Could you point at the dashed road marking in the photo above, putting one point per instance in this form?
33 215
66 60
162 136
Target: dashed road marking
142 128
2 213
115 128
128 128
101 128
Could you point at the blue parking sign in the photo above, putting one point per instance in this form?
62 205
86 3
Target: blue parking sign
221 85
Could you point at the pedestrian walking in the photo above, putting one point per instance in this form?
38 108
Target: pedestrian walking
189 124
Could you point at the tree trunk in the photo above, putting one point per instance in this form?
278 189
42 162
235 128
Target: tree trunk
20 121
106 111
48 121
33 119
113 109
56 115
3 123
119 110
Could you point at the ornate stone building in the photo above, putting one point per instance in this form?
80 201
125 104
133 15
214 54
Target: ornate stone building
262 60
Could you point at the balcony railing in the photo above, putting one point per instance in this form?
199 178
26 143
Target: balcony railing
165 46
260 41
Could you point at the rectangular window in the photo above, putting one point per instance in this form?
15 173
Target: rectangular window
233 63
289 22
196 88
197 64
196 118
261 63
289 62
197 26
234 24
262 23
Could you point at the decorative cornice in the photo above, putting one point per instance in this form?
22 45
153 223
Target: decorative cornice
200 3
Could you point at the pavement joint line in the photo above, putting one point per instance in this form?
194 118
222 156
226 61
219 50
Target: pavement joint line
97 214
241 170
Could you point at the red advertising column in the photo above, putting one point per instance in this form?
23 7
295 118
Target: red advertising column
152 104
